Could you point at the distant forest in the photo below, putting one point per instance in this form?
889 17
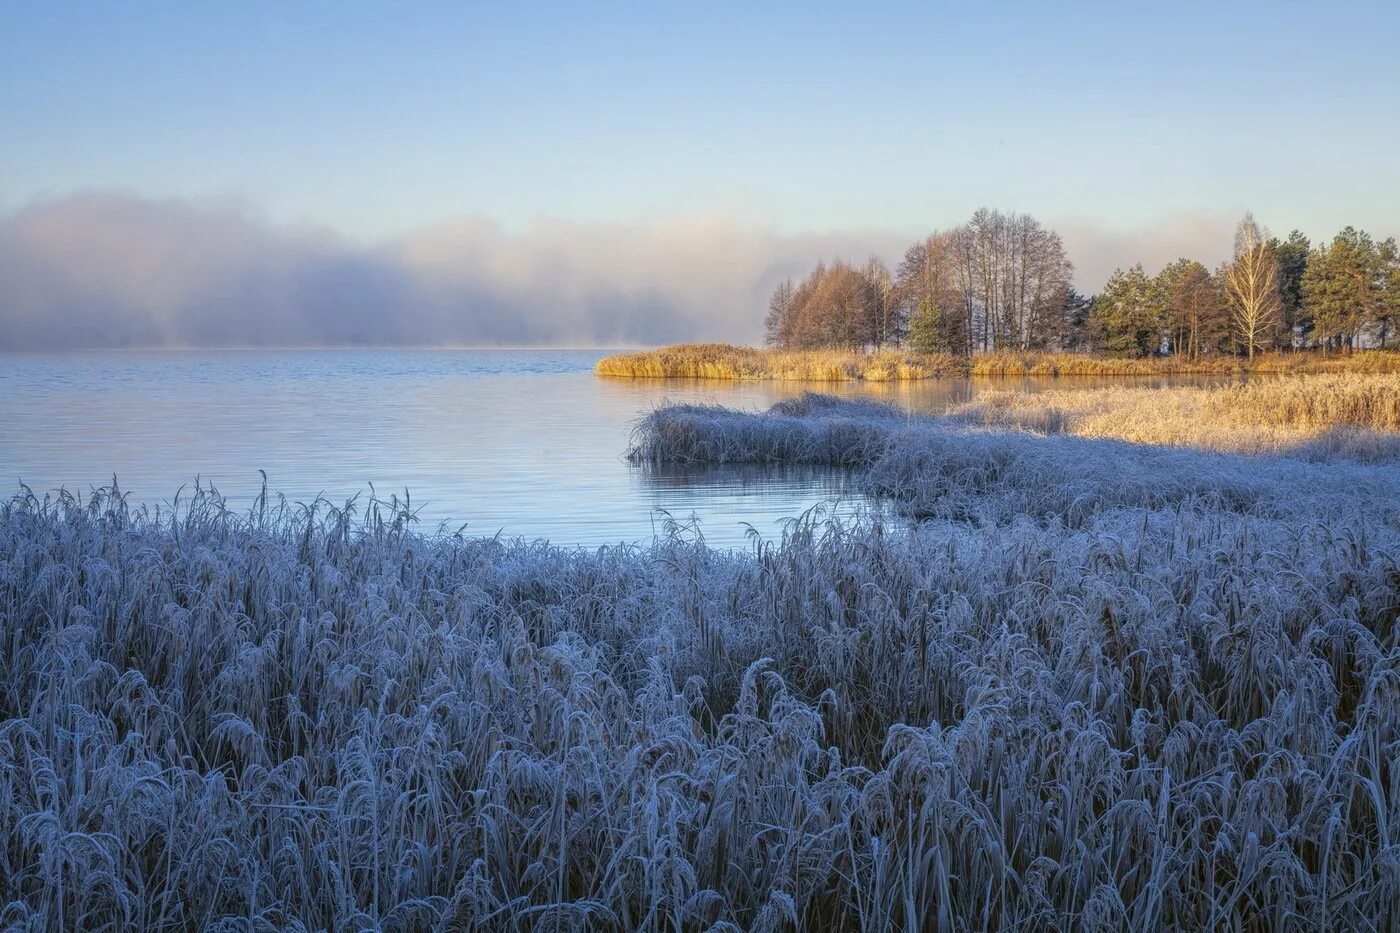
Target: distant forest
1002 281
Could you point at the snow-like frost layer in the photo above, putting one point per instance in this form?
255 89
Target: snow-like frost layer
1176 704
942 468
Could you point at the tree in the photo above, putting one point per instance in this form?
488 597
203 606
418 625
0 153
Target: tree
1252 285
886 323
1000 281
927 331
1014 276
1130 311
1292 256
845 303
777 322
1342 287
799 330
927 295
1195 312
834 306
1079 331
1388 302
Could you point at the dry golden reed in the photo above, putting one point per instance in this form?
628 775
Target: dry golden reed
724 361
1349 414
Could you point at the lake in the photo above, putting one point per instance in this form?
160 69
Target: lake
527 443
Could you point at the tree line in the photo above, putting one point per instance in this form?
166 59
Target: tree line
1002 281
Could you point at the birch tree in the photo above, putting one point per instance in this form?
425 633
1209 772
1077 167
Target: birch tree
1251 281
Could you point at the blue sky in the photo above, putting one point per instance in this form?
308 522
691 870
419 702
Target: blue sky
377 119
604 174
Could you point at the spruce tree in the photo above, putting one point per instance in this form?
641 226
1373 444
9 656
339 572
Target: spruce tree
927 333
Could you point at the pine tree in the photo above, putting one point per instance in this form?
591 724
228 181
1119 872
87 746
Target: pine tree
1292 256
1342 287
1388 303
1079 332
1130 311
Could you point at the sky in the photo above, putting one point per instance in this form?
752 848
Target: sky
626 163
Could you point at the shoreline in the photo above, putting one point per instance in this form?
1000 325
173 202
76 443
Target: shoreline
737 363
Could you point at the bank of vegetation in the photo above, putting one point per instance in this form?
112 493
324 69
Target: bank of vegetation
1080 684
994 297
1002 282
724 361
1352 414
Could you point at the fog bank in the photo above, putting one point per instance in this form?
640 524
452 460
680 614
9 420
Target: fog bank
114 270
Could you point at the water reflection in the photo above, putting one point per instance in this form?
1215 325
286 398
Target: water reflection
926 396
664 479
526 443
738 496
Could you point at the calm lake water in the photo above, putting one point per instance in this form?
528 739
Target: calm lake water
529 443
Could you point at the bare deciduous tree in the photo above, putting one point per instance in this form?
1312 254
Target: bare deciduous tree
1251 280
926 289
886 325
999 282
835 306
779 318
1196 315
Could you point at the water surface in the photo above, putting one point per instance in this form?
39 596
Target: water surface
528 443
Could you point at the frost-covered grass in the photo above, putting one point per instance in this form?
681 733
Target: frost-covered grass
1103 687
724 361
939 467
1320 417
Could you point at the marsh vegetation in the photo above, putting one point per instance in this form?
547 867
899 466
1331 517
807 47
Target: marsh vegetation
728 362
1093 684
1353 415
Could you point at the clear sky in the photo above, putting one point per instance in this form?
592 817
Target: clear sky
377 118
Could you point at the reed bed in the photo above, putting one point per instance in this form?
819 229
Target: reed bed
1084 364
941 468
1036 710
1319 417
723 361
1361 361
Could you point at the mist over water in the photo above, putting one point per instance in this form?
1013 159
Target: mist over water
106 269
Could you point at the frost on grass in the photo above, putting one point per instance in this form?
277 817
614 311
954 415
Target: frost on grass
1167 696
942 468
